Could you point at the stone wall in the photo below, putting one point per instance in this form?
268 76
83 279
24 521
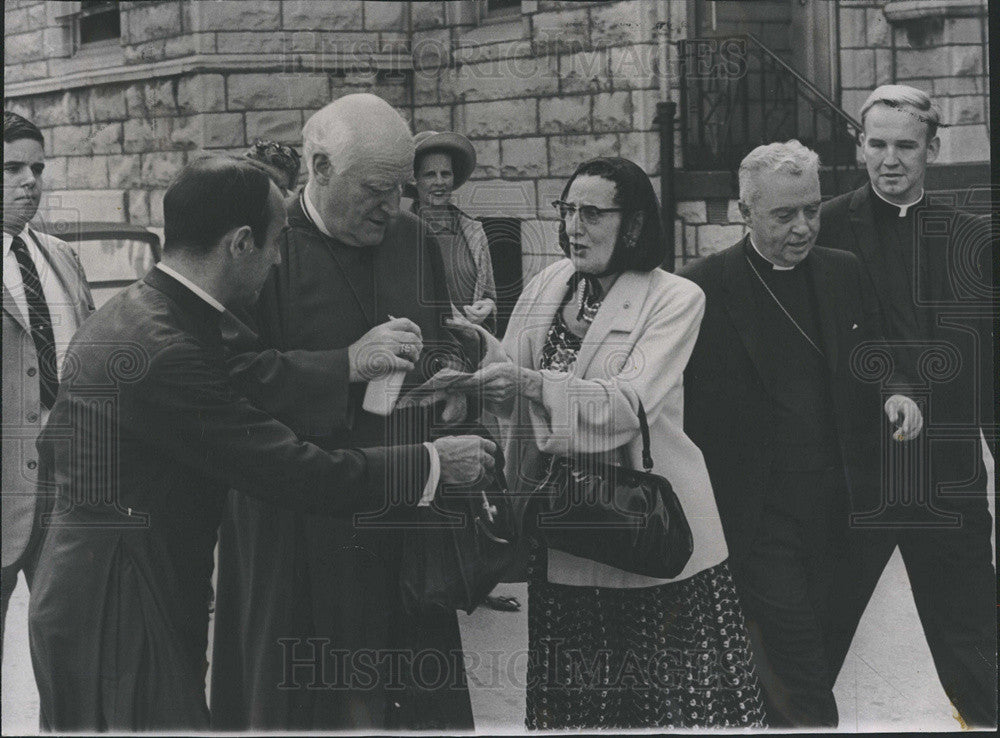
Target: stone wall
112 148
537 92
698 232
38 33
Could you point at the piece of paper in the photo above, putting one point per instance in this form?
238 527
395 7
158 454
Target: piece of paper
446 380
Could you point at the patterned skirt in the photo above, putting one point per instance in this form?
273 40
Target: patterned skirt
675 655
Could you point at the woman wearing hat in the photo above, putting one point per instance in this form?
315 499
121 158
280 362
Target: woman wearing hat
444 161
279 162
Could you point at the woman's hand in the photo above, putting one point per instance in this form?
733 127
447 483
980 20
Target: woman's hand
480 310
501 382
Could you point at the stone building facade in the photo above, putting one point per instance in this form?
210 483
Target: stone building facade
538 86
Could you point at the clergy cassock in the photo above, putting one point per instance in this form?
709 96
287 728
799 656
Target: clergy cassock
309 632
931 267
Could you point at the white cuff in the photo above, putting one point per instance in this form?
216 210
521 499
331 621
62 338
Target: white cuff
433 478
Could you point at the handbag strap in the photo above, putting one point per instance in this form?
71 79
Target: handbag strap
647 457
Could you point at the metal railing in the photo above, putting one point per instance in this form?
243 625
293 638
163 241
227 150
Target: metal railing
737 94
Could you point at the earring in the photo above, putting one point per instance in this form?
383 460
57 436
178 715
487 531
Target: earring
631 236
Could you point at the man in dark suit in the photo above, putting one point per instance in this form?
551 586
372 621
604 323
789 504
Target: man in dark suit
45 299
930 267
145 438
772 398
357 275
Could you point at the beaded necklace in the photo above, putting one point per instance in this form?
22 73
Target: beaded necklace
587 302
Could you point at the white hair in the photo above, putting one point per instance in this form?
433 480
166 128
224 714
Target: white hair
790 157
352 126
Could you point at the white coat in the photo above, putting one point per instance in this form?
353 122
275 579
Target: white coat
636 348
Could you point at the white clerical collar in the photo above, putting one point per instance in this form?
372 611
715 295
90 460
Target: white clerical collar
902 208
313 214
774 266
192 286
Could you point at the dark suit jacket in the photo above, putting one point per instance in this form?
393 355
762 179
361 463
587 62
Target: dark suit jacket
729 383
146 437
953 273
304 574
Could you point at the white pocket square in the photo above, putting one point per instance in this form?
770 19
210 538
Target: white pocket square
854 327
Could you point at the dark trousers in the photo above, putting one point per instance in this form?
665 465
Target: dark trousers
954 588
785 581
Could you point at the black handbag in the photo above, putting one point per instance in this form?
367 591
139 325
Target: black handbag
458 549
628 519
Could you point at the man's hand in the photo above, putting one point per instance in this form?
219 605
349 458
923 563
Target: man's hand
906 416
465 459
480 310
392 346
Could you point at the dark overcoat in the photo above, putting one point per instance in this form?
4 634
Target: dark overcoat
953 294
146 437
730 382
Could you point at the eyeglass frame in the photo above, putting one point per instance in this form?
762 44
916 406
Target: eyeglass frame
589 214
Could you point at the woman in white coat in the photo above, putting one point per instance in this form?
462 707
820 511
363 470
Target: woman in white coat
591 337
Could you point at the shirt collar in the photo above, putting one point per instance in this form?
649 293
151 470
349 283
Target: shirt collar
902 208
774 266
192 286
313 214
8 240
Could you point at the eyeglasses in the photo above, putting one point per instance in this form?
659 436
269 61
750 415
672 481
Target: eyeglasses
589 214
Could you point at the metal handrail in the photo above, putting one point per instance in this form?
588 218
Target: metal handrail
856 125
718 123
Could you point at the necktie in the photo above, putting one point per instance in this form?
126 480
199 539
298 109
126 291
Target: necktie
41 324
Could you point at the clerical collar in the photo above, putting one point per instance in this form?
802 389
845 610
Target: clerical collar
767 261
903 209
313 214
192 286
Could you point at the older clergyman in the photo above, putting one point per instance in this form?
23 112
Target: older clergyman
930 266
314 600
784 424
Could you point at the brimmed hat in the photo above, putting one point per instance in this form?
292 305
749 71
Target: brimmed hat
463 156
280 162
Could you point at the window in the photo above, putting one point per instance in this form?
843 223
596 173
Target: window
502 8
98 23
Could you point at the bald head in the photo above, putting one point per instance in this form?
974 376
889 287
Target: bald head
354 128
359 152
